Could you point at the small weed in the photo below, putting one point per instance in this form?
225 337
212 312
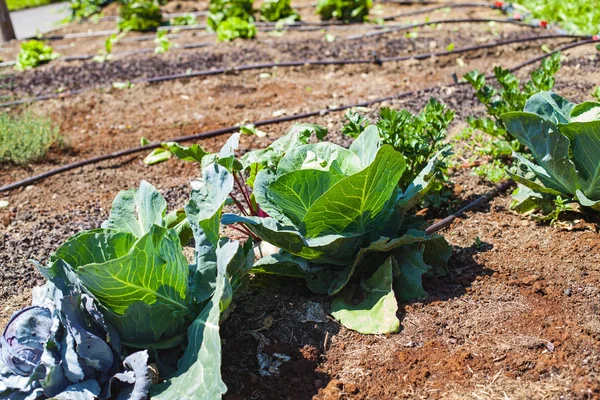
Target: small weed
26 137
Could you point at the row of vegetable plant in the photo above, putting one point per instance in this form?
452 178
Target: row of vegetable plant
123 314
544 142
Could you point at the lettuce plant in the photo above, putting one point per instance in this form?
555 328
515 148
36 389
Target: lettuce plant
235 28
86 8
34 53
563 139
231 19
275 10
338 214
345 10
139 15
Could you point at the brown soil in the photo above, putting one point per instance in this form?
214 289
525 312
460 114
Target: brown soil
518 315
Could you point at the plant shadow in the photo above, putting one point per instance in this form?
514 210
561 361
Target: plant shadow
463 270
274 339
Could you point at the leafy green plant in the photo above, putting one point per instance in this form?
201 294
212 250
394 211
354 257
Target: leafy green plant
106 54
564 142
34 53
345 10
275 10
575 16
343 223
231 19
338 215
234 28
26 137
81 9
220 10
163 44
139 15
511 95
127 289
184 20
15 5
596 93
418 137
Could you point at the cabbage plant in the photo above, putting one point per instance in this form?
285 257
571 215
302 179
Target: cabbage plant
563 139
339 216
61 347
133 280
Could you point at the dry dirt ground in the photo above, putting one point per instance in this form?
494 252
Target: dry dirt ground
518 316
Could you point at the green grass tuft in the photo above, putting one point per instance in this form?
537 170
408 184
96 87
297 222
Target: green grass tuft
26 137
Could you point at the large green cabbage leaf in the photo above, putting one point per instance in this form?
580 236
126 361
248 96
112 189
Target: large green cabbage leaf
135 269
337 214
564 141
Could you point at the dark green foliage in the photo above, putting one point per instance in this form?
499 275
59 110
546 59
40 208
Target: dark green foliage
139 15
86 8
345 10
275 10
418 137
511 95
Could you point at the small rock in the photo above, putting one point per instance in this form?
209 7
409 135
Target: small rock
568 292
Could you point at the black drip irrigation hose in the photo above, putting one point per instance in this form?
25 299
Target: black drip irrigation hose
438 7
232 129
392 29
446 222
84 57
219 71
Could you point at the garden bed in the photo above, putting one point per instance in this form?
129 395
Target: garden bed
517 315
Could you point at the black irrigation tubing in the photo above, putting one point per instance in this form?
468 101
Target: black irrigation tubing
288 64
444 223
232 129
165 16
438 7
442 21
121 53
